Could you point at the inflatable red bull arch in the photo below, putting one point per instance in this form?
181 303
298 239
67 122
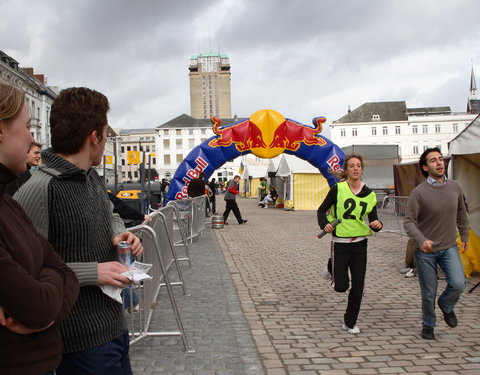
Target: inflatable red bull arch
265 134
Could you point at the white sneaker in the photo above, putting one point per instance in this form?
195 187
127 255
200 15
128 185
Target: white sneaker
326 274
353 330
410 273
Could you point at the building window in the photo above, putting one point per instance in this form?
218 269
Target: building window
374 131
190 131
375 117
343 133
166 144
191 143
123 161
154 161
425 147
134 148
202 132
425 128
178 132
397 129
414 129
165 132
385 130
128 148
153 148
437 128
179 158
415 150
455 128
123 149
179 143
166 159
135 174
147 148
354 132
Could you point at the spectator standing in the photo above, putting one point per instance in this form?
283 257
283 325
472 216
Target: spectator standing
164 188
349 200
67 201
232 190
33 161
37 289
213 199
435 210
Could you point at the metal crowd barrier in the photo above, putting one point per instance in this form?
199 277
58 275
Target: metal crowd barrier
392 213
158 251
191 216
178 229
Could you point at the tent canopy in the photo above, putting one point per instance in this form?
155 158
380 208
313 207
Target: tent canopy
255 171
467 141
290 164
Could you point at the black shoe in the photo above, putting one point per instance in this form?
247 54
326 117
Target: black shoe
243 222
450 319
427 334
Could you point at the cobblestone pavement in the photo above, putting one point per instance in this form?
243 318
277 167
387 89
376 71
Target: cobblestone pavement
292 313
276 263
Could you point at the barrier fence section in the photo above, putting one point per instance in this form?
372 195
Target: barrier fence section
392 213
158 251
192 215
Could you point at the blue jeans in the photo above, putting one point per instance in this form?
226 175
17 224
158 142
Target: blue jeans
128 294
450 263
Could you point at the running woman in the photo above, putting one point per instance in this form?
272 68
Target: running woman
349 200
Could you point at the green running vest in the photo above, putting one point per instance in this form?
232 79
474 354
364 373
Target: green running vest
352 210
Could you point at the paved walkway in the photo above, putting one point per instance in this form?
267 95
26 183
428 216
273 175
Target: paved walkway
293 315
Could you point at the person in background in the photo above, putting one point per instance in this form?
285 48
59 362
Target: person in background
37 289
164 188
435 210
232 191
349 200
127 212
263 188
33 161
68 204
213 199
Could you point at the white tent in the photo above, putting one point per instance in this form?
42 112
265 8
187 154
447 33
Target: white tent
251 179
465 168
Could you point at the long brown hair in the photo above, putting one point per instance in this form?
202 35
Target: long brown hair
341 174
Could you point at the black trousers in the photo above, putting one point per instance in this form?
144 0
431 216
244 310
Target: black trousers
231 205
350 256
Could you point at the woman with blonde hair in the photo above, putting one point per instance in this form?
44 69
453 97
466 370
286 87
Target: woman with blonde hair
350 200
37 289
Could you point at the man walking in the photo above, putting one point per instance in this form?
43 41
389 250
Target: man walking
233 188
68 204
434 212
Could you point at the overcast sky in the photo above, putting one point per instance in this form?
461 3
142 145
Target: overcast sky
302 58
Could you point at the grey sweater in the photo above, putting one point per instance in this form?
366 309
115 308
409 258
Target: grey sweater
70 207
434 213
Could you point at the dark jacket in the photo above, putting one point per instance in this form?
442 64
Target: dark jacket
36 288
15 184
196 188
124 210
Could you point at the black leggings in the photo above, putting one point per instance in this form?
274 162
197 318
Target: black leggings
351 256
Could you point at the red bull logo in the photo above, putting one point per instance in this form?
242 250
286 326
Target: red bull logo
290 134
245 135
267 134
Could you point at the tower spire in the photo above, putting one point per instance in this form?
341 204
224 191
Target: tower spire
473 84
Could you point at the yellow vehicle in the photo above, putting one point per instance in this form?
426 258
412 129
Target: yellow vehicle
129 194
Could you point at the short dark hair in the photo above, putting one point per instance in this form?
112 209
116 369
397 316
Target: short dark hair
423 159
76 112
